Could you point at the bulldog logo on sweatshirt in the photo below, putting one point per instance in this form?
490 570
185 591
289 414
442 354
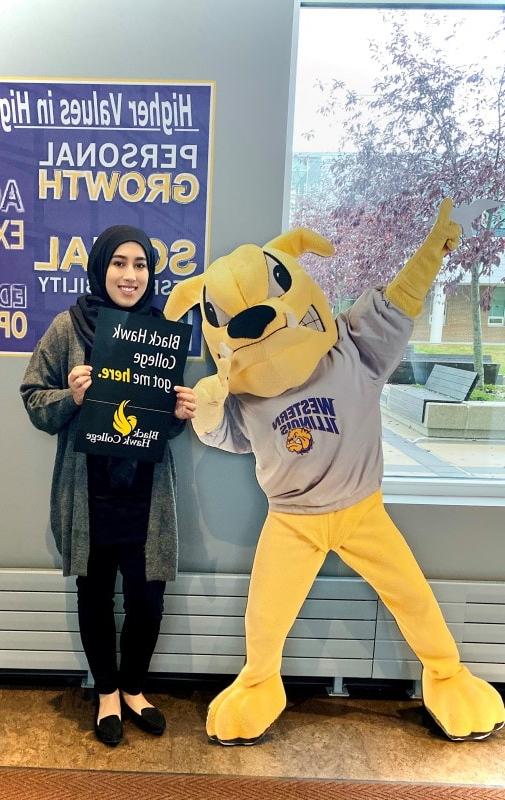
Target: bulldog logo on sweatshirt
299 441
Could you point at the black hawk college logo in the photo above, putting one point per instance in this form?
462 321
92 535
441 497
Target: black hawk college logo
121 423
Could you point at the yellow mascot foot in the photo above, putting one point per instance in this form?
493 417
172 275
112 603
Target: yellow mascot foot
465 707
242 714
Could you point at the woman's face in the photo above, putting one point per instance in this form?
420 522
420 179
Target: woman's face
127 274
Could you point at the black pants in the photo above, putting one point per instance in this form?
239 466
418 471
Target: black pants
143 606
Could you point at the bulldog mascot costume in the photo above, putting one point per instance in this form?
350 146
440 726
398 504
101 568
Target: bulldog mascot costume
301 391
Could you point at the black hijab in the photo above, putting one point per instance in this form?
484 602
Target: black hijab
85 312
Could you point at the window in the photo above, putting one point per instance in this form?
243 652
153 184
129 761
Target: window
396 108
497 310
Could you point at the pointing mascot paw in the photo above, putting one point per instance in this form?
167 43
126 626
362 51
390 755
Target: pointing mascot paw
301 391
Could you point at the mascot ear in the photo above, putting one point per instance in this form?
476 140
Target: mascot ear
302 240
183 296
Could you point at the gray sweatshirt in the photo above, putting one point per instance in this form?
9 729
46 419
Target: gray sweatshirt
51 408
318 446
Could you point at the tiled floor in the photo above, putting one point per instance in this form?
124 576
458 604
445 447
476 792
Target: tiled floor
317 736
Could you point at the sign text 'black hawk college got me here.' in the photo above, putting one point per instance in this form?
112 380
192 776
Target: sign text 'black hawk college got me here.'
129 407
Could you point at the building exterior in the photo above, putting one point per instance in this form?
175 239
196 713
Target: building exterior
448 318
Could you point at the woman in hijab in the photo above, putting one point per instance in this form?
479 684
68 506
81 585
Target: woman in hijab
108 513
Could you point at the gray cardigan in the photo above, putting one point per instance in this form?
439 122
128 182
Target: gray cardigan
51 408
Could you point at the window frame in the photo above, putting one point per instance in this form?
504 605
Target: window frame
398 490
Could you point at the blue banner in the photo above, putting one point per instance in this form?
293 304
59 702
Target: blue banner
78 157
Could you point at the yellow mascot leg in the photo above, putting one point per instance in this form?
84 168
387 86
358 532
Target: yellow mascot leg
465 707
285 565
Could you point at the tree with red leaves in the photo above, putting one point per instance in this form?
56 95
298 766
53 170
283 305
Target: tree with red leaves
430 129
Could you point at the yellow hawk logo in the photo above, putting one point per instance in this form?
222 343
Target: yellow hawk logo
121 423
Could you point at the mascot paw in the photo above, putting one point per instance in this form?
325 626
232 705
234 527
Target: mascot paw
242 715
465 707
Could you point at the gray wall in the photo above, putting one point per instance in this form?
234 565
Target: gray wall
246 47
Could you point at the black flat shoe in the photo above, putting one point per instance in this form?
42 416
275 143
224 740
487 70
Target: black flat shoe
150 719
109 730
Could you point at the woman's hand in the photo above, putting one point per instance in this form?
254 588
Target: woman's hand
185 405
79 380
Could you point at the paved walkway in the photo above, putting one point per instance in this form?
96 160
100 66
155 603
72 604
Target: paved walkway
431 464
408 453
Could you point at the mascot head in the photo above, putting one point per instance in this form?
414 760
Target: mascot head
263 311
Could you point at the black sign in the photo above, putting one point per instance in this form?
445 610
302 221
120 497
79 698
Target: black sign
129 406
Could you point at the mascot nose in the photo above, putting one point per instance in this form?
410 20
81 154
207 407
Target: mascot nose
251 323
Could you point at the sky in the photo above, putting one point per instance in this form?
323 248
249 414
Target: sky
333 43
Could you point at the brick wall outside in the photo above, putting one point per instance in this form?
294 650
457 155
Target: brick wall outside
458 325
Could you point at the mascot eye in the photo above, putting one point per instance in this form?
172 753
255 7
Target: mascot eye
214 315
279 279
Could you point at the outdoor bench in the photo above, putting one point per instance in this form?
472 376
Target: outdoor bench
444 385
